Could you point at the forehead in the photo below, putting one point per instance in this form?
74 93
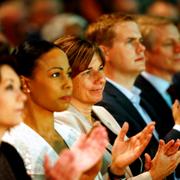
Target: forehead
54 58
96 61
6 73
169 31
127 29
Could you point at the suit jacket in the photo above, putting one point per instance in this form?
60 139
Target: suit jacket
123 110
72 117
12 166
173 134
164 122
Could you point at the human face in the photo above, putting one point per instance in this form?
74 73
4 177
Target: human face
126 55
88 85
165 54
11 98
51 86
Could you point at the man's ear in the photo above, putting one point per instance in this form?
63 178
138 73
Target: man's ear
25 84
105 51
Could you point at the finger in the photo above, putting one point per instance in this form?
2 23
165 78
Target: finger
148 130
161 145
174 148
123 131
147 162
168 145
80 141
47 165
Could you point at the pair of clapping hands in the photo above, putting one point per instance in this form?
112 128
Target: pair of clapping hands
83 160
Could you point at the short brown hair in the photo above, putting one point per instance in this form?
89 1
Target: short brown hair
79 52
102 31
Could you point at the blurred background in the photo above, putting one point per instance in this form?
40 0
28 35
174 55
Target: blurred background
50 19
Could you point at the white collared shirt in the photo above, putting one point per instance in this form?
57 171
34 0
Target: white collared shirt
134 97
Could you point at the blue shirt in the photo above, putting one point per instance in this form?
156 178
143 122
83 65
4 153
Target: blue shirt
134 97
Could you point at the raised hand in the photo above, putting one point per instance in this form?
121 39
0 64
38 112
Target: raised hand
64 169
91 147
170 148
124 152
176 112
162 165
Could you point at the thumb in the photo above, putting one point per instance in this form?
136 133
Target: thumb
147 162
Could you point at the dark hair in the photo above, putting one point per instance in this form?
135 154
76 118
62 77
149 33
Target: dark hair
29 52
8 60
79 52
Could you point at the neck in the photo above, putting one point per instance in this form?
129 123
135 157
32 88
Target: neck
161 73
124 79
38 118
83 108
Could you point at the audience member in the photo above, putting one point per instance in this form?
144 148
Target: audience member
63 24
120 39
13 16
87 63
45 76
161 38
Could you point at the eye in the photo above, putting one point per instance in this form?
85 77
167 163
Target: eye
141 40
101 68
54 75
129 40
86 72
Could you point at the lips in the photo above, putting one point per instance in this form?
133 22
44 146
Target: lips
19 110
66 98
140 59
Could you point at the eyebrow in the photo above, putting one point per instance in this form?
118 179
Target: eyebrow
92 67
60 68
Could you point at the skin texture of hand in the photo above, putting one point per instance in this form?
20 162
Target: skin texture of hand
83 161
176 112
124 152
64 168
162 165
171 149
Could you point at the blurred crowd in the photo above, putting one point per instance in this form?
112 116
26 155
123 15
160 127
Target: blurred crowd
22 18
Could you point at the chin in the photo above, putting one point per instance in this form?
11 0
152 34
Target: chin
63 108
96 100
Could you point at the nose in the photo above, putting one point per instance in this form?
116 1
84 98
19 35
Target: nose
140 48
67 83
99 77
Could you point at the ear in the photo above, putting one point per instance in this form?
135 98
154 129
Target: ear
105 50
25 84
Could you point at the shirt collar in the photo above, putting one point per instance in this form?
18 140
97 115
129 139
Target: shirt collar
160 84
133 95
